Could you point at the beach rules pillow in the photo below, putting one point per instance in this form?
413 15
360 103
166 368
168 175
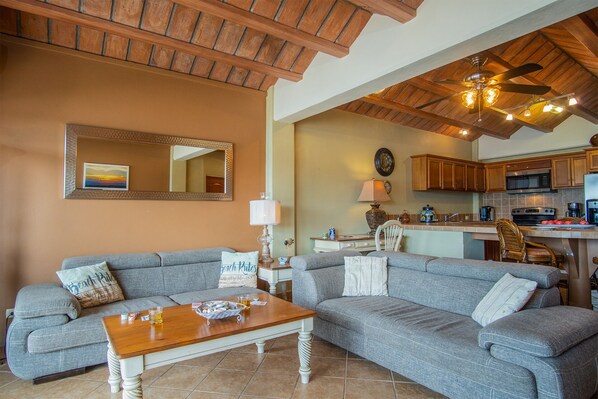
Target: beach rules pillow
92 285
239 269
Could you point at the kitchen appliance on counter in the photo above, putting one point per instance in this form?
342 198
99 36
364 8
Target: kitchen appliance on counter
590 188
427 214
574 209
486 213
532 216
529 181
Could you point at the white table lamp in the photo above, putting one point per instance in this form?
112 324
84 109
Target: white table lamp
264 212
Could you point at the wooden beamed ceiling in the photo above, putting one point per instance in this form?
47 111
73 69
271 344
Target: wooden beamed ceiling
568 53
249 43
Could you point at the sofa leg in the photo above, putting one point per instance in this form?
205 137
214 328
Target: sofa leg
58 376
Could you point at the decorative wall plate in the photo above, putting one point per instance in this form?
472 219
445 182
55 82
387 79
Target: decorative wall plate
384 161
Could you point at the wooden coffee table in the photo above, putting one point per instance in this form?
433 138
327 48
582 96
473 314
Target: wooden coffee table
137 346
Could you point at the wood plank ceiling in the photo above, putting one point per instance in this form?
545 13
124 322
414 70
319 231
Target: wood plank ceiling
568 52
248 43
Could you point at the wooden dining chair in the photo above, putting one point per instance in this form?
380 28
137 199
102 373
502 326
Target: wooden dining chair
393 234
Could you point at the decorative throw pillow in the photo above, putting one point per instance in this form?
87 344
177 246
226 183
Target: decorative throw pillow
508 296
238 269
365 276
91 285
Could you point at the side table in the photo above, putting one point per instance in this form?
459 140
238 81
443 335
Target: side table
274 274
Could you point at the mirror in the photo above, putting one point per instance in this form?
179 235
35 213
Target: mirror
103 163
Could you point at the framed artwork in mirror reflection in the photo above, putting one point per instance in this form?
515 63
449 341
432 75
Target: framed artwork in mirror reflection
99 176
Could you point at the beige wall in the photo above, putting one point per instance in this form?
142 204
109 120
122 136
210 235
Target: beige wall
41 90
335 154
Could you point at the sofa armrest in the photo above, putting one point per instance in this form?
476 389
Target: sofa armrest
46 300
544 332
321 260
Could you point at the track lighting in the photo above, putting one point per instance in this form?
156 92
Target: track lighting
527 113
464 132
509 117
572 101
547 107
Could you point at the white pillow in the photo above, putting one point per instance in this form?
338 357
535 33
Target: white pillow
238 269
365 276
92 285
508 296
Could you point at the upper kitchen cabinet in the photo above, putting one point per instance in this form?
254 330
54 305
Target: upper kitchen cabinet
592 160
496 178
432 172
568 171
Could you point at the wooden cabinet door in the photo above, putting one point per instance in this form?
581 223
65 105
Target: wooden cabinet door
561 173
459 178
470 178
592 160
480 179
447 175
434 174
578 170
496 178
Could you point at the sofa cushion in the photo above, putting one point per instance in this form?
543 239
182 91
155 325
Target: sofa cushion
92 285
88 328
365 276
444 339
45 300
186 298
404 260
238 269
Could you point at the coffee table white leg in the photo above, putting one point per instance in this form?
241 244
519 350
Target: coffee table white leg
114 368
260 346
304 347
273 287
131 369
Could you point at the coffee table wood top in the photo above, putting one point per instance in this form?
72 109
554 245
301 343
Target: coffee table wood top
182 326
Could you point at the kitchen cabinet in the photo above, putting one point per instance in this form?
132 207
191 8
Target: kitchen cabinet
496 178
433 172
592 160
568 172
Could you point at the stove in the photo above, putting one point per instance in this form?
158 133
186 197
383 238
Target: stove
532 216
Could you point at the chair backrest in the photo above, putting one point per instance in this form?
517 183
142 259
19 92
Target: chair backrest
512 243
393 234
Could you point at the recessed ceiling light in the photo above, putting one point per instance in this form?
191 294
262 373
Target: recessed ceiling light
464 132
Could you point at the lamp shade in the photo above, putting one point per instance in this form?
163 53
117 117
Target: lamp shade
373 191
264 212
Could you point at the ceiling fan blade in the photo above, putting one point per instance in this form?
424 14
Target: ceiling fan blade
453 82
518 71
437 101
525 89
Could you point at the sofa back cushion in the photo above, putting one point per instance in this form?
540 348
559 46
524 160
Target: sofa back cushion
139 275
193 270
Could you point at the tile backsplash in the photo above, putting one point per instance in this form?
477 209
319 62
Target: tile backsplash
503 203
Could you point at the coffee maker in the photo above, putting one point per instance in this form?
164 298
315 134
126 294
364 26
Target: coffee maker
486 213
574 209
592 211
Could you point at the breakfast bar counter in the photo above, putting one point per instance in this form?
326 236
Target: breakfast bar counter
579 246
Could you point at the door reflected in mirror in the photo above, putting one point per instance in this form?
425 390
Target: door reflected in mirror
160 167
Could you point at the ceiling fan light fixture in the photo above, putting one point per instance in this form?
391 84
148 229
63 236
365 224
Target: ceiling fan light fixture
547 107
509 117
490 95
558 109
469 98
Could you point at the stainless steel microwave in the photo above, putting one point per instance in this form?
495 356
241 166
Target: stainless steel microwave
529 181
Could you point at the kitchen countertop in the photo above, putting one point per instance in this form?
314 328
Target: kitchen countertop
489 228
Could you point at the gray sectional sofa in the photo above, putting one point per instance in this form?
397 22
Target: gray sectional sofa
423 329
51 334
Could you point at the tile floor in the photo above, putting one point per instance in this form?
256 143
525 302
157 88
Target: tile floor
241 373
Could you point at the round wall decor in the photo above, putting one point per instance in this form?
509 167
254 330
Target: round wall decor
384 161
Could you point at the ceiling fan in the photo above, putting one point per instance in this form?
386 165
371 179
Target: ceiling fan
484 86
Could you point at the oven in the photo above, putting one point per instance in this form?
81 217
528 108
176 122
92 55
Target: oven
532 216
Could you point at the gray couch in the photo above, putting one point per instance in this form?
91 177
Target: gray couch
423 329
51 334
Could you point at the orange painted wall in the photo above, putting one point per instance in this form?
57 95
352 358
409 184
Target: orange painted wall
43 89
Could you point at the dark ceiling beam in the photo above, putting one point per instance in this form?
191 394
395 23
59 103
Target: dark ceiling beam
265 25
394 9
74 17
578 109
441 90
430 116
584 30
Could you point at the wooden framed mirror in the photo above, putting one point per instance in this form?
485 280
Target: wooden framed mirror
104 163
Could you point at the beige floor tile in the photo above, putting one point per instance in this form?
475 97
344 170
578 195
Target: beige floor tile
271 385
253 348
320 388
328 367
181 377
366 370
69 388
207 361
103 392
352 355
95 373
23 389
165 393
150 376
415 391
326 349
242 361
285 347
280 364
211 395
367 389
6 377
225 381
4 367
400 378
